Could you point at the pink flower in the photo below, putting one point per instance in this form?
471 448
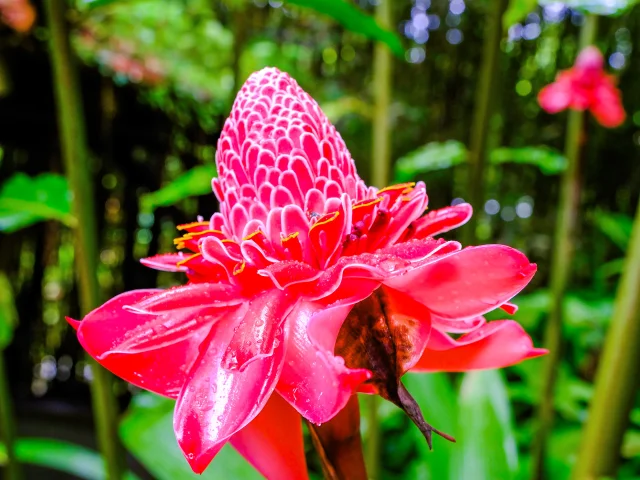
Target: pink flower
585 86
18 14
300 251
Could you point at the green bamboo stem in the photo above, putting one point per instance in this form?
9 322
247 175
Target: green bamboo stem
76 159
566 220
382 71
13 469
616 382
484 109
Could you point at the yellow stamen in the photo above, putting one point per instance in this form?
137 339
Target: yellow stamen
238 270
397 187
324 222
289 237
184 226
183 262
368 204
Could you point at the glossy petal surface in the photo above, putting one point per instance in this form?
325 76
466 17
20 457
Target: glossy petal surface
496 344
272 442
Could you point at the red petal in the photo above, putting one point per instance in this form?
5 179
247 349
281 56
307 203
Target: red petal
273 443
442 220
314 380
467 283
220 398
494 345
139 348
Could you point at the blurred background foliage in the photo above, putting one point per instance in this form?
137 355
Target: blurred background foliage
157 80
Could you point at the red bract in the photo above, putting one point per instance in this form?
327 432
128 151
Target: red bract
300 245
585 86
18 14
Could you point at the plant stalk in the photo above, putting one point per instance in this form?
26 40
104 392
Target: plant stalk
13 469
483 111
382 73
76 162
566 221
616 382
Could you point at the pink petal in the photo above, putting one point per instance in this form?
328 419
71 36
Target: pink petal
496 344
606 105
166 262
467 283
313 379
139 348
273 443
220 398
555 97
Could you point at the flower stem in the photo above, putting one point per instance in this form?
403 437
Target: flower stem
76 159
566 220
484 109
382 71
7 425
616 382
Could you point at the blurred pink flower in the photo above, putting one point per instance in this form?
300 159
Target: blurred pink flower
585 86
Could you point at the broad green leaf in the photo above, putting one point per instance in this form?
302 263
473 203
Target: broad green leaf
66 457
194 182
354 19
437 399
517 11
549 161
8 312
27 200
616 226
631 444
597 7
147 432
428 158
486 442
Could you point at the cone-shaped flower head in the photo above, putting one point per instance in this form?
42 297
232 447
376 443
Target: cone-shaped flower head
585 86
306 287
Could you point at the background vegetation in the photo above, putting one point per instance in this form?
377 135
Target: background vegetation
446 94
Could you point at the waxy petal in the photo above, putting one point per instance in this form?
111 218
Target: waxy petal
442 220
314 380
167 262
496 344
139 347
273 442
467 283
219 397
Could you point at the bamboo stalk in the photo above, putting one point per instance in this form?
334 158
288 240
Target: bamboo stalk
566 220
7 425
484 109
76 159
382 72
616 382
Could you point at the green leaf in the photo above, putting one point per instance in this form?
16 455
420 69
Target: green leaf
8 312
549 161
355 20
347 105
616 226
486 441
70 458
194 182
517 11
428 158
147 432
25 200
437 399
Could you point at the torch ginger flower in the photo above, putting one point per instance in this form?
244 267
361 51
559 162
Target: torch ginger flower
307 287
585 86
